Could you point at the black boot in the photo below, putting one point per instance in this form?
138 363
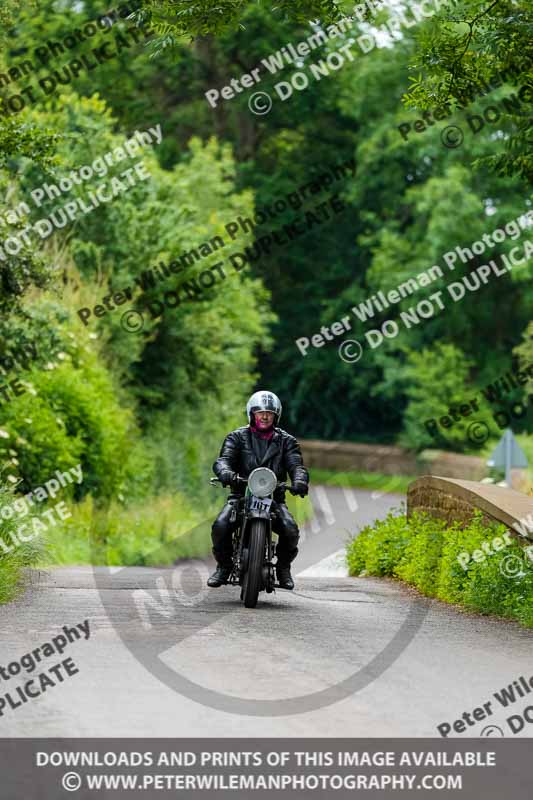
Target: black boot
284 577
219 576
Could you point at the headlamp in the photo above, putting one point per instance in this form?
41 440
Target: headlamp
262 482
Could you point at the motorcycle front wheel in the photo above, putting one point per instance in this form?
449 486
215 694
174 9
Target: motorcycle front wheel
256 555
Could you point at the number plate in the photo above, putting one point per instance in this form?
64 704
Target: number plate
260 503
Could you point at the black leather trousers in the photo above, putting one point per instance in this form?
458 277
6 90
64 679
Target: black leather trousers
284 525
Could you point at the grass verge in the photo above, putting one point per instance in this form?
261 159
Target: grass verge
157 533
423 552
170 527
362 480
18 548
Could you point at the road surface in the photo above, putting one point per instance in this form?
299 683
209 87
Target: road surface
339 656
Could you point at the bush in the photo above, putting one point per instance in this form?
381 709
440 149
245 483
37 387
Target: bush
423 552
70 414
15 554
377 549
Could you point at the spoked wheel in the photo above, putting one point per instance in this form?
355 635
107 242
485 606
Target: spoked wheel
256 553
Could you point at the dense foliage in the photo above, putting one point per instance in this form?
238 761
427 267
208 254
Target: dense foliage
145 412
424 552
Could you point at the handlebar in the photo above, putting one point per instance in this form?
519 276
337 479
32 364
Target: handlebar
286 487
238 479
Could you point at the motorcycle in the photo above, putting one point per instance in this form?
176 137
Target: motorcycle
253 548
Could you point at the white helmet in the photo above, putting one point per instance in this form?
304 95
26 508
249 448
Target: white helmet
263 401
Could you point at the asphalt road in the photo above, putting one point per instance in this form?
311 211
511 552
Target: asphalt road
337 657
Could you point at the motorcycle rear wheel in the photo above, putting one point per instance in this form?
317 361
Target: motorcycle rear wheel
256 555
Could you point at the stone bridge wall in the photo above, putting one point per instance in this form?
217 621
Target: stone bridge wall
390 460
457 499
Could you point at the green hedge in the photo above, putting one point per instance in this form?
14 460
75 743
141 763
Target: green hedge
71 413
423 552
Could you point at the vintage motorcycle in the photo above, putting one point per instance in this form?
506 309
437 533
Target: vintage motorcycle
253 548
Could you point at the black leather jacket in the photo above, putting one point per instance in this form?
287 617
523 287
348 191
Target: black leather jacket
240 453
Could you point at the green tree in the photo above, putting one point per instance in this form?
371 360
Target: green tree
468 44
174 18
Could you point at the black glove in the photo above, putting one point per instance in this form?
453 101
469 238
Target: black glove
228 477
300 487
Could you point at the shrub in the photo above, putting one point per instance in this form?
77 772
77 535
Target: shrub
69 414
378 548
421 556
15 555
423 552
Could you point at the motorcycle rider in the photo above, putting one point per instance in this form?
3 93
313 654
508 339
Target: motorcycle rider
259 444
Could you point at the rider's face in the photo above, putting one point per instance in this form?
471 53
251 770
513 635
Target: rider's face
264 419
